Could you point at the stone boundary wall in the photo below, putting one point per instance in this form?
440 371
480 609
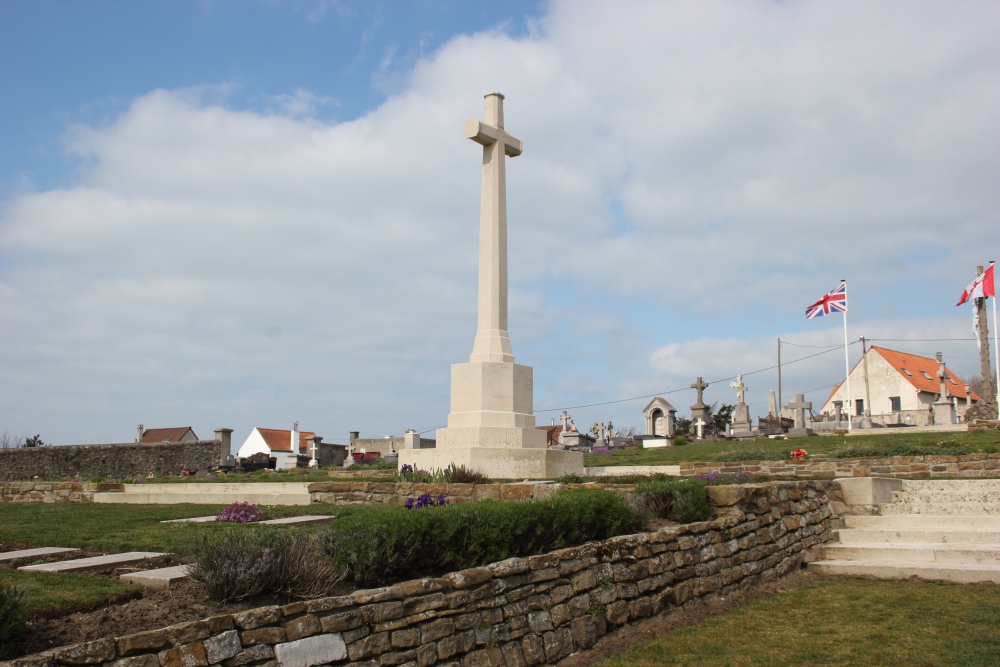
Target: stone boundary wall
518 612
905 467
396 493
979 425
127 459
49 492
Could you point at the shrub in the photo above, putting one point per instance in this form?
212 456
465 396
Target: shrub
13 620
385 544
680 442
376 464
571 478
462 475
719 478
240 513
750 455
601 451
242 563
683 500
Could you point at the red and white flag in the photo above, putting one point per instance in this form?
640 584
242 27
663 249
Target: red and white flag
982 286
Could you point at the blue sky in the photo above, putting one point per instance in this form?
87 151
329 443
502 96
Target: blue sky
249 213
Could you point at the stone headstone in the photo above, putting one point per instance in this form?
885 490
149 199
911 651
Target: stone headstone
699 410
741 413
944 408
699 427
799 406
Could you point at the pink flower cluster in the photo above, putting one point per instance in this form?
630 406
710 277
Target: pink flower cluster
240 513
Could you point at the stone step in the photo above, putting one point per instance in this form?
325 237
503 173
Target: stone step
929 536
949 496
941 509
965 574
923 522
94 563
160 578
33 553
951 485
193 519
293 520
917 552
206 498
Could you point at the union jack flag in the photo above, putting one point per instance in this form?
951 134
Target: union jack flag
835 301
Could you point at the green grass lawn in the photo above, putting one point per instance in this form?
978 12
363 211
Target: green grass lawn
841 622
817 445
126 527
51 592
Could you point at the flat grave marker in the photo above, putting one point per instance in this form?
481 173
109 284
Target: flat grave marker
32 553
93 563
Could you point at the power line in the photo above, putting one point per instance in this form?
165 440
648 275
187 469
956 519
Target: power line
824 347
920 340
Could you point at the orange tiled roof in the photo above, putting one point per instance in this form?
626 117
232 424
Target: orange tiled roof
166 434
912 367
279 440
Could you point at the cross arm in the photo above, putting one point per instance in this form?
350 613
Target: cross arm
485 134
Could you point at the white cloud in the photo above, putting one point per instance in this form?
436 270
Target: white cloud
694 174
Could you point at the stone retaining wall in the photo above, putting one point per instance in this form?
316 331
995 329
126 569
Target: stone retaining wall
396 493
518 612
48 492
906 467
128 459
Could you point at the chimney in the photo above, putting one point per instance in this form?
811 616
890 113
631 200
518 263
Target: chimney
295 438
141 429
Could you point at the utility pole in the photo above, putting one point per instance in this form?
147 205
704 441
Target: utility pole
779 382
868 398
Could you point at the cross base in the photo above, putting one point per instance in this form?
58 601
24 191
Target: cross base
497 462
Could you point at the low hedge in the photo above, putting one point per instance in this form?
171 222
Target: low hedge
392 543
13 620
900 449
679 499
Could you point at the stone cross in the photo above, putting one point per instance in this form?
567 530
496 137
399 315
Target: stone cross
740 388
799 405
942 374
564 417
699 385
699 426
492 340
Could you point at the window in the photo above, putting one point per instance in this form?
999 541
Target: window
952 381
924 373
859 407
895 405
908 372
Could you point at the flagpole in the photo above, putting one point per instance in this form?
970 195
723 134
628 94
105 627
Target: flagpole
847 362
996 350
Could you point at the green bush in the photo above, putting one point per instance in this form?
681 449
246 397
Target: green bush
386 544
571 478
680 442
13 620
374 464
683 500
244 562
902 449
751 455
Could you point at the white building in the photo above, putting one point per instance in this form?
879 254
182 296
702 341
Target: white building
902 387
283 445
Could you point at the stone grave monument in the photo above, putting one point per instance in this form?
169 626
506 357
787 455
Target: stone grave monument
742 428
491 426
944 408
699 410
799 406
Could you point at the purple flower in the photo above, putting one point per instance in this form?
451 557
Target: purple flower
240 513
408 504
442 500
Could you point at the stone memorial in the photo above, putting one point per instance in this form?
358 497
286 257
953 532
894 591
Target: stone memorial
742 428
699 427
491 426
944 408
799 406
699 410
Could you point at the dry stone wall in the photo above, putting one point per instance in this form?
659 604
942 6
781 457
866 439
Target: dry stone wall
518 612
905 467
396 493
118 460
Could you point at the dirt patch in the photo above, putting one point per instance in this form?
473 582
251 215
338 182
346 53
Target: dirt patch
691 613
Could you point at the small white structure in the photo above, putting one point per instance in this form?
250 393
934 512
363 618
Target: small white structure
902 386
285 446
660 419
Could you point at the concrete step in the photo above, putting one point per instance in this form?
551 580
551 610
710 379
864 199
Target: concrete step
33 553
160 578
193 519
962 554
923 522
949 496
205 498
294 520
951 485
941 509
94 563
965 574
939 536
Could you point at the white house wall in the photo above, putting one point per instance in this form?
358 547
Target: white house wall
253 445
884 381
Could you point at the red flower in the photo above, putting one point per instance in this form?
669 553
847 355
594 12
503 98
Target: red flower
799 454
